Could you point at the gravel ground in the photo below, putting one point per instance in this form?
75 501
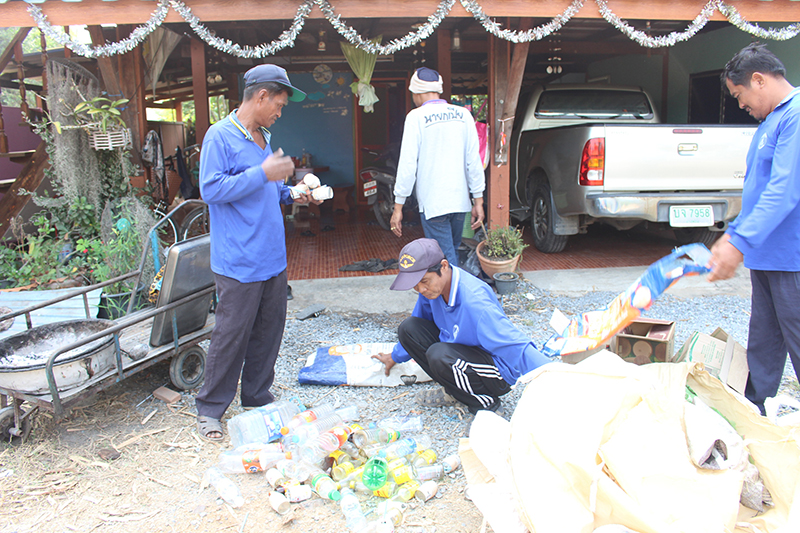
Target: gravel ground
529 308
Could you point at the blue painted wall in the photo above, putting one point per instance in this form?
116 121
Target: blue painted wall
322 124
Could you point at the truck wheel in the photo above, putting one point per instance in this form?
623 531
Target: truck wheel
542 224
690 235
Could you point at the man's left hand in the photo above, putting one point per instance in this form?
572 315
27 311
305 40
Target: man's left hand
725 257
477 214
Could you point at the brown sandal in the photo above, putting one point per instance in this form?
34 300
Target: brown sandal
207 426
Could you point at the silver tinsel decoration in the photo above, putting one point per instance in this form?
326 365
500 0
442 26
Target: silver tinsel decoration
411 39
136 37
533 34
286 39
663 40
740 22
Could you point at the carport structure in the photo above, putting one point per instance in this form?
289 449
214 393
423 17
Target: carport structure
479 46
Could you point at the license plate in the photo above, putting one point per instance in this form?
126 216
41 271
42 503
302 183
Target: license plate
687 216
370 188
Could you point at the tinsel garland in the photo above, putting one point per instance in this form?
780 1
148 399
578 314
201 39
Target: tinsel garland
663 40
286 40
533 34
288 37
137 36
740 22
411 39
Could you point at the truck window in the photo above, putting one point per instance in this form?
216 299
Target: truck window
593 104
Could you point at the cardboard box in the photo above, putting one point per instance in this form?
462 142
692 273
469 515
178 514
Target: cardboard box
722 356
646 340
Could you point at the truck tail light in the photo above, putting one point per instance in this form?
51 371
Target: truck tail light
593 162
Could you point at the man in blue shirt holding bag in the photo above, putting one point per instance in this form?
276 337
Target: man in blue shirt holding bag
242 181
458 333
766 234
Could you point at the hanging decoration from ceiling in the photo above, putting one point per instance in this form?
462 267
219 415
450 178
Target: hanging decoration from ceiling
289 36
133 40
286 40
521 36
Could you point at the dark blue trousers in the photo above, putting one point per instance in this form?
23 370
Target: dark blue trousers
774 331
246 340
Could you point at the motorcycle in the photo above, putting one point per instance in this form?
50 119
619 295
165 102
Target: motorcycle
377 184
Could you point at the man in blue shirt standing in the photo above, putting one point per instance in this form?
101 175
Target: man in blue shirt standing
766 234
242 181
458 333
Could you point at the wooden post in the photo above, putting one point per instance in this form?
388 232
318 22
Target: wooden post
202 118
496 203
443 62
43 47
19 56
132 87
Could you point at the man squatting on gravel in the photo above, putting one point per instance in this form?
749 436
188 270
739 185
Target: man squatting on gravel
458 333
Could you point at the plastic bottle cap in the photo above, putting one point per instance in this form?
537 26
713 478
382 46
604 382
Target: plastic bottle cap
284 430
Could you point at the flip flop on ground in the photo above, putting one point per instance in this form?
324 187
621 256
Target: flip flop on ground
209 428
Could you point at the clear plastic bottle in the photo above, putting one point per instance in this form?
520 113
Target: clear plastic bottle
391 510
451 462
301 434
342 470
307 416
325 487
351 509
387 490
262 424
375 472
316 450
406 446
299 471
226 488
249 461
403 423
424 473
381 435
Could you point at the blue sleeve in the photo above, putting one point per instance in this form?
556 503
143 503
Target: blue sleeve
218 183
286 195
422 309
781 195
507 344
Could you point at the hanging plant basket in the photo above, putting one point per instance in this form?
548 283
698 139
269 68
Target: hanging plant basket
110 139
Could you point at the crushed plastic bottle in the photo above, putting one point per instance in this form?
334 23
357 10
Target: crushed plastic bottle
250 461
316 450
406 446
226 488
262 424
402 423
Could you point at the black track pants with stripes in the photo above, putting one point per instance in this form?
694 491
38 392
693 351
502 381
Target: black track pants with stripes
467 373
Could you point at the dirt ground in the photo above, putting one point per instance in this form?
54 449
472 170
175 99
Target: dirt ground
59 480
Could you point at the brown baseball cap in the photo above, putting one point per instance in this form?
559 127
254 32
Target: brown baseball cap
416 258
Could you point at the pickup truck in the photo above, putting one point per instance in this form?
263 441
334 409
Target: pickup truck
581 154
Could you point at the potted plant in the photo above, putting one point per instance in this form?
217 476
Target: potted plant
501 250
102 118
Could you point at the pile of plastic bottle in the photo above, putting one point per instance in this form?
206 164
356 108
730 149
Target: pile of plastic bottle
324 452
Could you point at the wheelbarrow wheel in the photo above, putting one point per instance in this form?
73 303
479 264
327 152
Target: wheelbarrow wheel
187 369
7 424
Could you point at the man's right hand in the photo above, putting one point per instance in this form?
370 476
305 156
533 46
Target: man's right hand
396 223
386 359
277 166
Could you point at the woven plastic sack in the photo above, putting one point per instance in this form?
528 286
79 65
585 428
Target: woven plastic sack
603 442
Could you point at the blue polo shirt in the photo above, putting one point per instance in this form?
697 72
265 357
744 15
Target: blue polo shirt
473 317
767 230
248 241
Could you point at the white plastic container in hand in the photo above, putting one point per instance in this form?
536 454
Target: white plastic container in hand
262 424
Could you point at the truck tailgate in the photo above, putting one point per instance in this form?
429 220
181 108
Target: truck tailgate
673 157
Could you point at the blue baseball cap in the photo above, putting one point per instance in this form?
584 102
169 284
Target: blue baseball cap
416 258
268 72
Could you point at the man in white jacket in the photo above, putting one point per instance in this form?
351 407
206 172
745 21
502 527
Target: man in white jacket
439 156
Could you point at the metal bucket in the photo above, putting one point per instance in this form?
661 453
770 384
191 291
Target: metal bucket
23 356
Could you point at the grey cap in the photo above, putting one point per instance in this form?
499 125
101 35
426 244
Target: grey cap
416 258
267 72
